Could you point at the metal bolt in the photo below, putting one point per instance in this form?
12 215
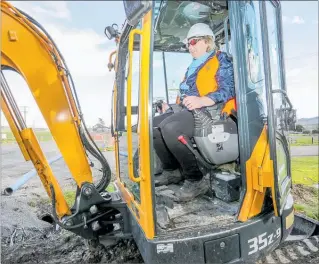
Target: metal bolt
222 244
93 209
104 194
96 226
69 222
87 191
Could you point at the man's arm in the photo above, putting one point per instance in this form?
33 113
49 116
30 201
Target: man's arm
207 101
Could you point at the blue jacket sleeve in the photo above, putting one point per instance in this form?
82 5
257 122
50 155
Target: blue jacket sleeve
225 80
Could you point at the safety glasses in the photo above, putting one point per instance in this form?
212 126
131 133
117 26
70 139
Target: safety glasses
193 42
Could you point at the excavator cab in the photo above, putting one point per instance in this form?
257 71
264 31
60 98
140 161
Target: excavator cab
245 156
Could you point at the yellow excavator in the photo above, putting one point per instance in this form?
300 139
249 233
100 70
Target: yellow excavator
249 209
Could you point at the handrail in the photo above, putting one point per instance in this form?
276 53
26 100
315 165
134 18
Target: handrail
129 105
285 95
226 36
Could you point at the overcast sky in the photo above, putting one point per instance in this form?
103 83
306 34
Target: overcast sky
77 28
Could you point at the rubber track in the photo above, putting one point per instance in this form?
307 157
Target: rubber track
294 251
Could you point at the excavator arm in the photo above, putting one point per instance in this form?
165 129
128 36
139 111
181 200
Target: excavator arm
29 50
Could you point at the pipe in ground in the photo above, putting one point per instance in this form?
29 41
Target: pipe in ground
9 190
123 153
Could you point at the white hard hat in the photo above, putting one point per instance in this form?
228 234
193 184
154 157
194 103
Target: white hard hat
199 30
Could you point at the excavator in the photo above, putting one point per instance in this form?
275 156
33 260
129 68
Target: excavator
248 211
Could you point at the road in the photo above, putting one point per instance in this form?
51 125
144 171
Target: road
304 151
13 166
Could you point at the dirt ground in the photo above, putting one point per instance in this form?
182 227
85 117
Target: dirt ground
303 194
35 241
27 239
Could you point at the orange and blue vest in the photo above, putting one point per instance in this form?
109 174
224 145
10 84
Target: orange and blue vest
214 78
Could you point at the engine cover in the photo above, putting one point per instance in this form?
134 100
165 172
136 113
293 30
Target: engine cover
216 140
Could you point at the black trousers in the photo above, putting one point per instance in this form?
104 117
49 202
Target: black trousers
173 154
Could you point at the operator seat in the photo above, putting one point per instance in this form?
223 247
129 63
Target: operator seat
216 133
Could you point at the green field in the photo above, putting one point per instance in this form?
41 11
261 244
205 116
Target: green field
305 170
41 136
303 140
304 177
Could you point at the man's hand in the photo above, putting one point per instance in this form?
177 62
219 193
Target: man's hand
165 107
193 102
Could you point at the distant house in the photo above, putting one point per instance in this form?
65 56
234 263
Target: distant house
100 128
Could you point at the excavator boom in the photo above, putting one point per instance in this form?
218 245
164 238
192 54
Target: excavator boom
28 49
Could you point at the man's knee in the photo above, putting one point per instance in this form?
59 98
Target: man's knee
157 120
157 135
169 130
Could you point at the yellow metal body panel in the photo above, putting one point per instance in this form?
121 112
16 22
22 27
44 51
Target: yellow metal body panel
30 54
290 220
147 222
259 177
143 211
44 171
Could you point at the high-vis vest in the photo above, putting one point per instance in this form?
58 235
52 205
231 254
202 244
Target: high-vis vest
206 82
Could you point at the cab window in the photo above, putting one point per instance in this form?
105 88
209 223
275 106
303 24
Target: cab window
254 51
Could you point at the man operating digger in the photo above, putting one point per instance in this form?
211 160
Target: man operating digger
208 81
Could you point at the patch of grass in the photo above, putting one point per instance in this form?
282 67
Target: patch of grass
44 200
6 141
304 140
304 177
304 170
69 197
111 188
32 203
109 148
309 210
41 136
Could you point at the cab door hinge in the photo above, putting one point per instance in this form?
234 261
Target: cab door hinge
264 176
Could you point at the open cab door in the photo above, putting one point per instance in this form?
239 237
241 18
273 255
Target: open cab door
265 111
132 113
280 111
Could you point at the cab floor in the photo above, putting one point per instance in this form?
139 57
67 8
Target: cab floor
203 210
